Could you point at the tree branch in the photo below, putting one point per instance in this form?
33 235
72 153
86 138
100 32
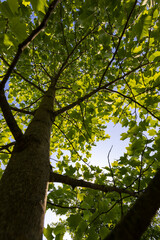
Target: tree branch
22 110
133 100
27 41
120 38
64 65
87 96
20 75
139 217
6 147
11 122
70 207
55 177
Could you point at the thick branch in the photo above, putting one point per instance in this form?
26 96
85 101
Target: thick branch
27 41
11 122
139 217
55 177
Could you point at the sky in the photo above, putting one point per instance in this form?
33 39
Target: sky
99 158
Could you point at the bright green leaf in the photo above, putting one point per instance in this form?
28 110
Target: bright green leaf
155 13
152 132
137 49
48 232
146 25
39 5
154 55
25 2
7 41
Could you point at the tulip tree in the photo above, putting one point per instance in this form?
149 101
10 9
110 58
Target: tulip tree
67 69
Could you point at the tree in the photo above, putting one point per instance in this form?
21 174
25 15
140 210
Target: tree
67 69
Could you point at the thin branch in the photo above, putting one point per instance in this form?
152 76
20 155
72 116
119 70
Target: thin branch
71 144
143 171
72 52
109 164
7 146
46 71
20 75
119 42
81 99
133 100
105 212
70 207
33 103
22 110
11 122
27 41
55 177
62 27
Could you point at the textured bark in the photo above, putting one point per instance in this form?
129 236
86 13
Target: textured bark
138 219
23 187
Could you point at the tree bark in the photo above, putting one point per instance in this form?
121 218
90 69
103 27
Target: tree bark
23 187
139 217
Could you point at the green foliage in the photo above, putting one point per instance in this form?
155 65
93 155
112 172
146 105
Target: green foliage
88 44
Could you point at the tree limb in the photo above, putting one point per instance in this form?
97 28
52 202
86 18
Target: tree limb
55 177
22 110
69 207
139 217
6 147
11 122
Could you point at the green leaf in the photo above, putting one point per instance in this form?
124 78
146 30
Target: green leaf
103 232
7 41
48 232
152 132
137 49
155 13
18 28
13 4
146 25
5 10
59 229
25 3
74 221
154 55
39 5
59 237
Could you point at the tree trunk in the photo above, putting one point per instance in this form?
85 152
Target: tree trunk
139 217
23 187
